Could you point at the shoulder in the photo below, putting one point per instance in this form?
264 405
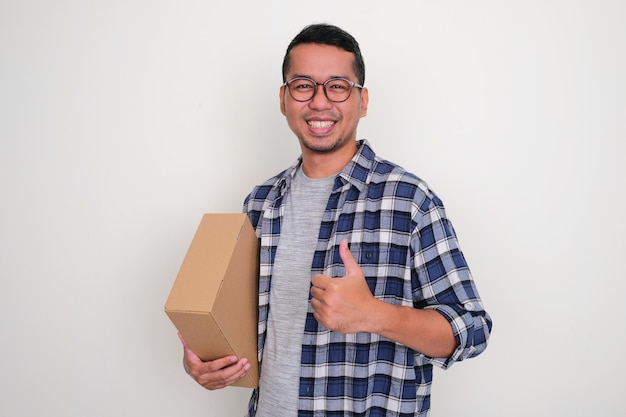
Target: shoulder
390 180
382 178
263 195
264 189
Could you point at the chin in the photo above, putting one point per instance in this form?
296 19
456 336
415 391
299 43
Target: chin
321 145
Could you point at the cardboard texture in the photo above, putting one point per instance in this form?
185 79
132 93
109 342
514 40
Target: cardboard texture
214 300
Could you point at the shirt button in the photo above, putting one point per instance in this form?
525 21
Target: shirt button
469 306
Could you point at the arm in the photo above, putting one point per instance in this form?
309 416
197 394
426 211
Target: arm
346 305
425 331
215 374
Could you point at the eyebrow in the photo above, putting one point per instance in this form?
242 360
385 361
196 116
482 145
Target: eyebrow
347 77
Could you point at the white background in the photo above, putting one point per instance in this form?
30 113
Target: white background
121 122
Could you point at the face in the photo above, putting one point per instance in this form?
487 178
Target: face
322 126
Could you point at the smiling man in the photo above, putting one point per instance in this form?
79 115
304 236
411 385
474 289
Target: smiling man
363 287
325 126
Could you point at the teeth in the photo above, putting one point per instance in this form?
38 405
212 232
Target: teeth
320 124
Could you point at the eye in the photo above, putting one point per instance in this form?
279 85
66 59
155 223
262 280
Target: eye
302 85
339 85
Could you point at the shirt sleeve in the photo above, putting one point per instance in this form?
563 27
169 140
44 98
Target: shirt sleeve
442 281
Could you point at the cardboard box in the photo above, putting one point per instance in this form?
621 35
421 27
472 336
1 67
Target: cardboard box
214 300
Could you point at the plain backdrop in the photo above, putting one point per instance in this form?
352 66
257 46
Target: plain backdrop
122 122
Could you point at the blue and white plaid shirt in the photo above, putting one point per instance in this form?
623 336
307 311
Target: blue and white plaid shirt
399 234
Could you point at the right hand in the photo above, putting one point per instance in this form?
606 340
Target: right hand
215 374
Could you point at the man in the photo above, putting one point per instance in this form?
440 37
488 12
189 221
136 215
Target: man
363 287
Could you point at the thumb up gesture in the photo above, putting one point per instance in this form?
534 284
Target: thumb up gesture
343 304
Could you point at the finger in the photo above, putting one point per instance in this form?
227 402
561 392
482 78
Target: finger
182 339
186 347
217 369
223 363
319 281
217 379
316 293
189 356
233 373
347 258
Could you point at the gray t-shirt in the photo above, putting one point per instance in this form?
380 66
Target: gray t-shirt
291 279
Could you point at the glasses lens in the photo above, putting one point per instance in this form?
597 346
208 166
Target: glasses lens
338 89
302 89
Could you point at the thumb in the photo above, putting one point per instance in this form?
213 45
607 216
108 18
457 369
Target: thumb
348 260
184 342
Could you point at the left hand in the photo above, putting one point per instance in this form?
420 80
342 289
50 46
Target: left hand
343 304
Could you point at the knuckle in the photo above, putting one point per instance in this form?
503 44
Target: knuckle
195 374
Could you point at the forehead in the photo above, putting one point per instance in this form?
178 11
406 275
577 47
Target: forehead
321 61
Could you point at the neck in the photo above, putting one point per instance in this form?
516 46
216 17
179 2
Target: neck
322 165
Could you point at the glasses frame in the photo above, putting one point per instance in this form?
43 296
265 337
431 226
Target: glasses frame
316 84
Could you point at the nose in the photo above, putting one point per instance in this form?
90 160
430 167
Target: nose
319 100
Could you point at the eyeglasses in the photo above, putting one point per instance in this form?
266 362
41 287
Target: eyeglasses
336 90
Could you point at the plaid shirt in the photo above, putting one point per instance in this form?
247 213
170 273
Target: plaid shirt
399 234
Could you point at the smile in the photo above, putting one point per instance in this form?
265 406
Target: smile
320 124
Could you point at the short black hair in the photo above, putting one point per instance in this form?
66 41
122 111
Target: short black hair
325 34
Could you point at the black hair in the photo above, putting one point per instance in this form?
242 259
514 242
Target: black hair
325 34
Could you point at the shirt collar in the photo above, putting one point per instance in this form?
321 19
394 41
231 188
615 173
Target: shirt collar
356 172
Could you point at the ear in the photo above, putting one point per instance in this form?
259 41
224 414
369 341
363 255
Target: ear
364 101
282 99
